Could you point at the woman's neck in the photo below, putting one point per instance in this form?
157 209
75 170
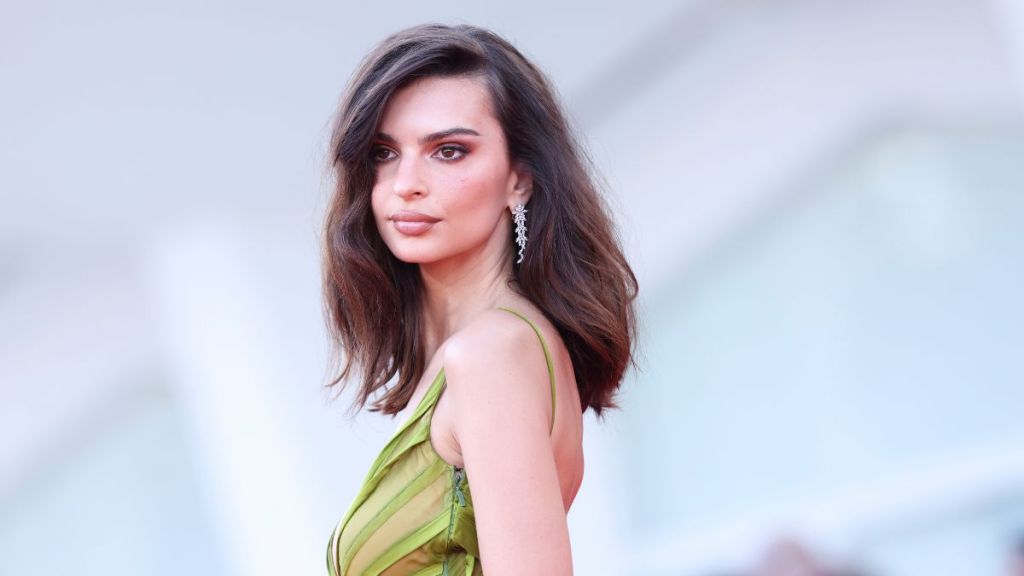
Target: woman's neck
455 292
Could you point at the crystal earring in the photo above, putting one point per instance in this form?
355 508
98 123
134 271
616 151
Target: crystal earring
519 216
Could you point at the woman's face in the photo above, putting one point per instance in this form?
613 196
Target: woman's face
444 182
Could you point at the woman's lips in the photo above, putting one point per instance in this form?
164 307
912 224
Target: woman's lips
412 223
412 227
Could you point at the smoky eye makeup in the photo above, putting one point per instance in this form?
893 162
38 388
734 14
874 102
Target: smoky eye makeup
451 152
379 154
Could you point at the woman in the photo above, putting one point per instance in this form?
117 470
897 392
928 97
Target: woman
469 256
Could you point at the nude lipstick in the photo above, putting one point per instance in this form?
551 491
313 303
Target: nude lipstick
412 223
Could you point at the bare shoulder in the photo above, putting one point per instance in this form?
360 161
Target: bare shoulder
495 368
491 331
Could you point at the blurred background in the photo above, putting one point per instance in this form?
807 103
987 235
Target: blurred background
824 203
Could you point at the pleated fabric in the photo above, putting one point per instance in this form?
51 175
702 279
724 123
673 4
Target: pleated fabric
414 515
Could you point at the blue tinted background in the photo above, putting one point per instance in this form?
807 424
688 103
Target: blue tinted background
822 202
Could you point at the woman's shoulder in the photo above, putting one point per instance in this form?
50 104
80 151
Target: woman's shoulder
495 333
510 329
486 365
497 349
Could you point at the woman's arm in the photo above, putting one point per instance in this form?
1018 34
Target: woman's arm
501 409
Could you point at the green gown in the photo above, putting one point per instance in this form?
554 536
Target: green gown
413 515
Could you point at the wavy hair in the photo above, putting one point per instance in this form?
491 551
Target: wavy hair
573 268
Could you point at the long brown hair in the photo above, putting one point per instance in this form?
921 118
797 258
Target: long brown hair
573 268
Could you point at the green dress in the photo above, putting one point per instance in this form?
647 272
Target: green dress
414 514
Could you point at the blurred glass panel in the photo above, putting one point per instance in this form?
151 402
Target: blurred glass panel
120 499
865 329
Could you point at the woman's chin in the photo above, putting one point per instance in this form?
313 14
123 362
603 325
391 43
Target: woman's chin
415 256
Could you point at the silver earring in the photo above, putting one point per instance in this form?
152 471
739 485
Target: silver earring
519 216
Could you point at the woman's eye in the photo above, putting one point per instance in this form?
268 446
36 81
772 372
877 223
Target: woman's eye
451 152
381 154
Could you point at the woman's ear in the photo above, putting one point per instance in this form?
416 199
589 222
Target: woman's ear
522 185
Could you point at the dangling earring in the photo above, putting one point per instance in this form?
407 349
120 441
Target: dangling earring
519 216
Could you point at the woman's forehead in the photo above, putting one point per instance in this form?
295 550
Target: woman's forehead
437 103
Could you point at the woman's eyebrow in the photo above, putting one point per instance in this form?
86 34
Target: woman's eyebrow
432 137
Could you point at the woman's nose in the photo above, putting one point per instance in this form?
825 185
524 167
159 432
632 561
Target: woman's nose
408 180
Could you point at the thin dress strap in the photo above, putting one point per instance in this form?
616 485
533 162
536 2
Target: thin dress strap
547 358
